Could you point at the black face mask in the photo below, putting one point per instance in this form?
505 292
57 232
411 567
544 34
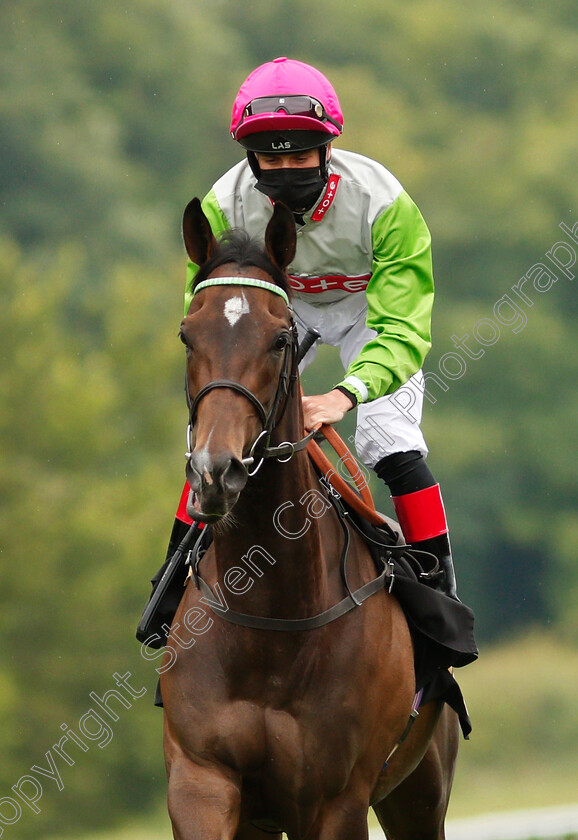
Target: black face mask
299 189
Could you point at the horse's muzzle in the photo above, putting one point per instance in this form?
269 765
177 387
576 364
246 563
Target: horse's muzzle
216 482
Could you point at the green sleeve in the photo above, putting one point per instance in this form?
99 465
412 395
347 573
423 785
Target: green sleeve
219 223
399 300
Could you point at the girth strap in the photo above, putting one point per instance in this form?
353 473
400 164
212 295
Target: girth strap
298 625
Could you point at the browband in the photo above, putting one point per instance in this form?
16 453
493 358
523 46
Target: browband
242 281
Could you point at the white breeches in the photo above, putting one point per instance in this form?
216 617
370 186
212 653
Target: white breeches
386 425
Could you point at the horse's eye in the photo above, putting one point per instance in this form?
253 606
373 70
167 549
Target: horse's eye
184 339
281 341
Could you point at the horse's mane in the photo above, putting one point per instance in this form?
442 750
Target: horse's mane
236 246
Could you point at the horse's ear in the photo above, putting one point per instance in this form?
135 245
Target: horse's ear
281 236
199 238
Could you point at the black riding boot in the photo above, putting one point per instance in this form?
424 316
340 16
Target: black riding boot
441 549
420 511
168 584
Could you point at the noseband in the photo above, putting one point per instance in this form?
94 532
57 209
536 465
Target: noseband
260 449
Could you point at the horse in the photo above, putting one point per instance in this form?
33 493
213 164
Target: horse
281 723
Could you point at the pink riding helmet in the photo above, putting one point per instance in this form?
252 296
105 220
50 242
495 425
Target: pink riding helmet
286 94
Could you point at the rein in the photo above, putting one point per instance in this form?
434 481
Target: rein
362 503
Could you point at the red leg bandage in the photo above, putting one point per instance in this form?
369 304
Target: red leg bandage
182 508
421 514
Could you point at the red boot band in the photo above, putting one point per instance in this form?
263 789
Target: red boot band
421 514
182 508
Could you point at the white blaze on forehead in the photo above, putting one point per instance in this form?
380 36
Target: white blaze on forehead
235 307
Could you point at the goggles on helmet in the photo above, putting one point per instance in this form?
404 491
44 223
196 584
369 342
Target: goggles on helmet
293 105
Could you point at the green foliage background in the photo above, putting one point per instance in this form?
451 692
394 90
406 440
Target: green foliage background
111 117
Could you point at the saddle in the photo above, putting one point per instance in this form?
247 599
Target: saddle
442 628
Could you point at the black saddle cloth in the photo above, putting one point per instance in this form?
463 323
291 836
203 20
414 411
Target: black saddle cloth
442 628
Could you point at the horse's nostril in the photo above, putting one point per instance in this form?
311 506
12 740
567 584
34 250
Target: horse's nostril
224 474
193 476
234 476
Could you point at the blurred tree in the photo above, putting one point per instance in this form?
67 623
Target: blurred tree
100 122
502 436
91 457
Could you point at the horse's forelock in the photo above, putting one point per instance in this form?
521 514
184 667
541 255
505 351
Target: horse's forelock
236 246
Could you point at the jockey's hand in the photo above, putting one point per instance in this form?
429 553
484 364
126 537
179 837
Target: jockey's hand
325 408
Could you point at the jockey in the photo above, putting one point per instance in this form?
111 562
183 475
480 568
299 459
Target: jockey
362 276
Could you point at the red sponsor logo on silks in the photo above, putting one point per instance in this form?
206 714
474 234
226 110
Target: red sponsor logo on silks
327 199
329 283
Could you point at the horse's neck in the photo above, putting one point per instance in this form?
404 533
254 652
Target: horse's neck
277 540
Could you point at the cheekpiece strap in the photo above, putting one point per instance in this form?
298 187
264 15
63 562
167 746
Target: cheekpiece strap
242 281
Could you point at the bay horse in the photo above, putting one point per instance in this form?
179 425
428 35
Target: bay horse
282 725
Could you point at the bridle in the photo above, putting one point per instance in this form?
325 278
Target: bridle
260 448
259 451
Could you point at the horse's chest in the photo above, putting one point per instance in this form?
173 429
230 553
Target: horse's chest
288 749
289 716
